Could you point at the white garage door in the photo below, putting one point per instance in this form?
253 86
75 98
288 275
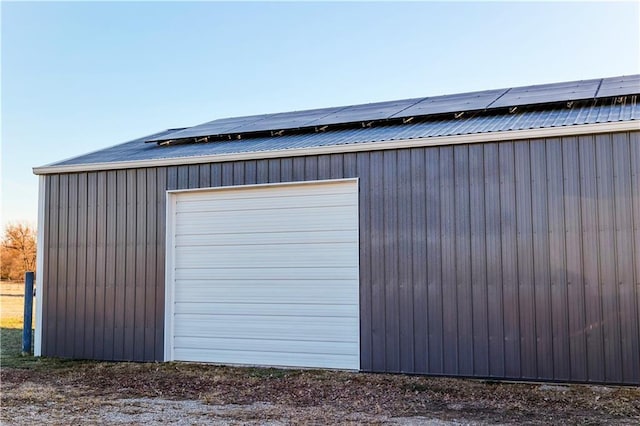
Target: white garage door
264 275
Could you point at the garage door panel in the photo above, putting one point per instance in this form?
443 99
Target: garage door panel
266 345
265 238
266 203
273 256
316 219
285 359
302 309
266 327
291 291
267 273
256 192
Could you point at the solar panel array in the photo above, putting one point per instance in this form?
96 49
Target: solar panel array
474 101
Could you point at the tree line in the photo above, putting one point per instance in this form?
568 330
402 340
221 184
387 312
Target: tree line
17 251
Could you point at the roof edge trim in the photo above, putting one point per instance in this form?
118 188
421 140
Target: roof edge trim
574 130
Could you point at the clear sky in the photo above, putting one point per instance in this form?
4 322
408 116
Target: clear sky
77 77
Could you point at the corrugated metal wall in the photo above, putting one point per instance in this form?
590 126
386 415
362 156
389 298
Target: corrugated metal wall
507 260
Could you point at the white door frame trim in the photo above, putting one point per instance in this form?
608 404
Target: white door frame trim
169 287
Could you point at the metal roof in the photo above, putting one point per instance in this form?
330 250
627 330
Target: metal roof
573 114
488 100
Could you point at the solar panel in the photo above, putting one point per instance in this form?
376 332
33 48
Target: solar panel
546 93
451 103
288 120
619 86
366 112
215 127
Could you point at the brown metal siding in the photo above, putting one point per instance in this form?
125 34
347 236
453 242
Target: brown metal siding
509 260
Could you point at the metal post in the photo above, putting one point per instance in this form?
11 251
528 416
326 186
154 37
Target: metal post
28 312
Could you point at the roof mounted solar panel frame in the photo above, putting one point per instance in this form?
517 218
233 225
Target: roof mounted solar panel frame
400 111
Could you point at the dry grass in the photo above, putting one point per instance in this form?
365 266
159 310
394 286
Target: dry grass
12 304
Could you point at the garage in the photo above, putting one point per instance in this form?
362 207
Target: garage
264 275
490 234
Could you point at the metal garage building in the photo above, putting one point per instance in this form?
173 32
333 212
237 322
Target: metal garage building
487 234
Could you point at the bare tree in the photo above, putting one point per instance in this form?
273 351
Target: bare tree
18 250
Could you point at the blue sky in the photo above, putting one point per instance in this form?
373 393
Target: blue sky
77 77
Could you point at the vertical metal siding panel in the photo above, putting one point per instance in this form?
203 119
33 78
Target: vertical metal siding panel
274 170
194 176
378 308
337 166
448 261
390 253
250 172
227 174
574 271
151 291
216 175
51 283
589 205
524 259
72 255
204 175
463 260
286 169
120 265
110 266
130 263
90 305
493 232
81 277
298 168
405 278
262 172
183 177
238 173
434 263
635 232
418 257
557 261
365 207
172 177
141 260
324 166
624 235
478 256
61 305
99 345
508 224
311 168
541 275
607 258
161 200
349 167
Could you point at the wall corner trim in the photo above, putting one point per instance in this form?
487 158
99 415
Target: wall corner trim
42 185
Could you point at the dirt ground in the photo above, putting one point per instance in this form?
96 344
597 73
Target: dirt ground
36 391
64 392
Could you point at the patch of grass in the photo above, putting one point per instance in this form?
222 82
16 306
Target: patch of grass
11 322
11 354
10 346
271 373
